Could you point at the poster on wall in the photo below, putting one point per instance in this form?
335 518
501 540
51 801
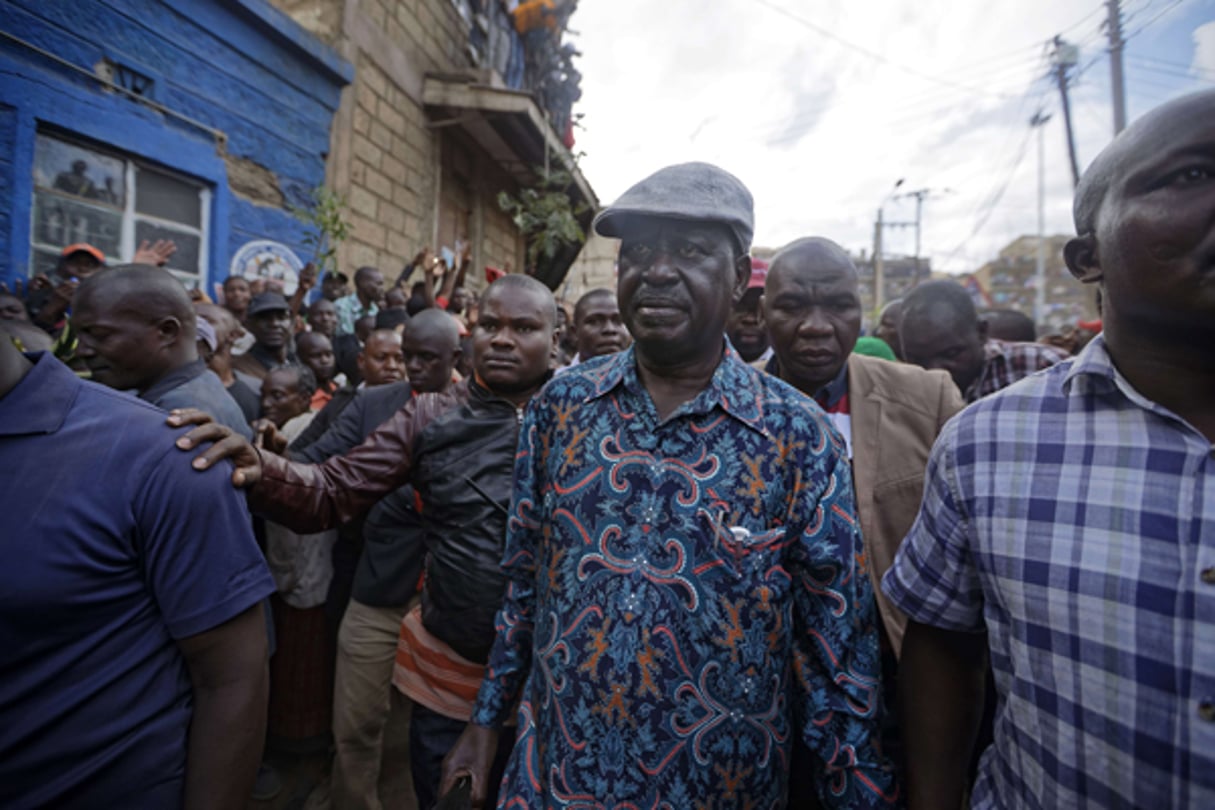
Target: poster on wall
272 262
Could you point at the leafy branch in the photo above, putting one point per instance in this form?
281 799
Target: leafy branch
545 216
327 226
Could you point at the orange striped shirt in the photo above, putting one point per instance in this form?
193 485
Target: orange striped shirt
432 673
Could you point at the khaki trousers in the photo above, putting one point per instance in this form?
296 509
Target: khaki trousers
362 694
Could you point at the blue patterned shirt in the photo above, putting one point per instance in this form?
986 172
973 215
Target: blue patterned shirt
686 595
1074 519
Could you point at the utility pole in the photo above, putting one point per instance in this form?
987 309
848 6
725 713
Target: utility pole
1039 122
1117 85
879 271
1064 57
919 195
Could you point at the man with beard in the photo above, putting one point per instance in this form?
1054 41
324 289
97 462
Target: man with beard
687 585
457 448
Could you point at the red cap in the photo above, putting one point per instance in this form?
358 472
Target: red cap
492 274
84 247
1092 326
759 274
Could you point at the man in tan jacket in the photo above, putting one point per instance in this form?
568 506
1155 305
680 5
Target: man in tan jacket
889 413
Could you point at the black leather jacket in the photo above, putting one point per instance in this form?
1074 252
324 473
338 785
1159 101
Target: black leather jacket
458 450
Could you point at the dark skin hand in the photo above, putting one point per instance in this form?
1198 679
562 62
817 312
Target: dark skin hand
471 756
267 437
227 444
230 679
941 691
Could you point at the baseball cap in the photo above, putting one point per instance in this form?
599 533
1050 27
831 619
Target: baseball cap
83 247
687 191
267 301
759 274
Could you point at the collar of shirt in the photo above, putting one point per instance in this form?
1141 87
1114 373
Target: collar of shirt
178 376
731 388
831 395
40 402
1093 373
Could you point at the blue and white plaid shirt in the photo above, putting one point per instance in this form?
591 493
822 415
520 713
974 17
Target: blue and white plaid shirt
1075 520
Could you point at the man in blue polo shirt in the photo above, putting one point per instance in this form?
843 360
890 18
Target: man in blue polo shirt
137 332
134 663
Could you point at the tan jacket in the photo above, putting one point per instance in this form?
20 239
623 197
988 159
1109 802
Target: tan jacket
897 410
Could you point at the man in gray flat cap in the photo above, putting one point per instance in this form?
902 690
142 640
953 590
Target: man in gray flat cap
688 587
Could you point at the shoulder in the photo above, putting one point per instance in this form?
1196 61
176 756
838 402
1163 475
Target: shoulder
904 384
425 407
1014 414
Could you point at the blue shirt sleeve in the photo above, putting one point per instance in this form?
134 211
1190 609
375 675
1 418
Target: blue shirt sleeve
837 660
934 579
195 538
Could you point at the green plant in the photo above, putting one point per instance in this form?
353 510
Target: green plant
545 216
328 228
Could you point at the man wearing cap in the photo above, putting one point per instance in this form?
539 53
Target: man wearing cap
688 589
137 331
746 329
268 319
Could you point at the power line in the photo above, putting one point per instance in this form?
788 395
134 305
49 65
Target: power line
1156 17
877 57
1164 63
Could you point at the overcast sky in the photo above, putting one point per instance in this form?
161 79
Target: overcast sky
820 107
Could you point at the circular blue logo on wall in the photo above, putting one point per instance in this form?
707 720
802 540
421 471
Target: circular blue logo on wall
272 262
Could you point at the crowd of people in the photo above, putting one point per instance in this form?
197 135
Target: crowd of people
693 542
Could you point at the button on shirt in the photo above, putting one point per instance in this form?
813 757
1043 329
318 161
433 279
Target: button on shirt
350 309
686 594
1074 519
114 549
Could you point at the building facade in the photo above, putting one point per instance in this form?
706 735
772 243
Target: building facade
209 121
200 121
1010 281
444 114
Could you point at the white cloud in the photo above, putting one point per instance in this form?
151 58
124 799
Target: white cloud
820 133
1204 48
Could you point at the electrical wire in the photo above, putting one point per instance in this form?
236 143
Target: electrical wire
1156 17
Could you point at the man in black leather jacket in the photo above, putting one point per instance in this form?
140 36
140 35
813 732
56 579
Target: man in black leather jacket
457 448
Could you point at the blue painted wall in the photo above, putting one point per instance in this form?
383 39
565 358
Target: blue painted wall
237 66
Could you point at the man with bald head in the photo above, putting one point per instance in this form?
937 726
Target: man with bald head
136 329
1067 532
889 413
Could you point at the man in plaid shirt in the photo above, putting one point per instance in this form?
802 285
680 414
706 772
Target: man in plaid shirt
1071 516
940 328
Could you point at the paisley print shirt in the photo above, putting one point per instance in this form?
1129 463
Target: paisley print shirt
686 595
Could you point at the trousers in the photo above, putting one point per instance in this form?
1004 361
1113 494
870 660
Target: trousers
362 695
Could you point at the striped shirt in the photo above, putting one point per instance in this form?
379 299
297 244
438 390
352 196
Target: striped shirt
1074 519
432 673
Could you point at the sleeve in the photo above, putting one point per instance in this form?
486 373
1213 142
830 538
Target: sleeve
195 539
511 656
934 580
310 498
837 700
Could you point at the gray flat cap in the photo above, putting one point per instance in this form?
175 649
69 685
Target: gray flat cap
689 191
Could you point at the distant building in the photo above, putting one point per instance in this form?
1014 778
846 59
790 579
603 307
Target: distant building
900 274
1010 282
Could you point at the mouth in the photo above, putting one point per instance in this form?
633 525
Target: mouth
816 357
609 346
501 362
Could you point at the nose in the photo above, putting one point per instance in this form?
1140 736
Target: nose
814 324
660 272
503 338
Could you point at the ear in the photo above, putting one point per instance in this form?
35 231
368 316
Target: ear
169 330
742 277
1082 260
